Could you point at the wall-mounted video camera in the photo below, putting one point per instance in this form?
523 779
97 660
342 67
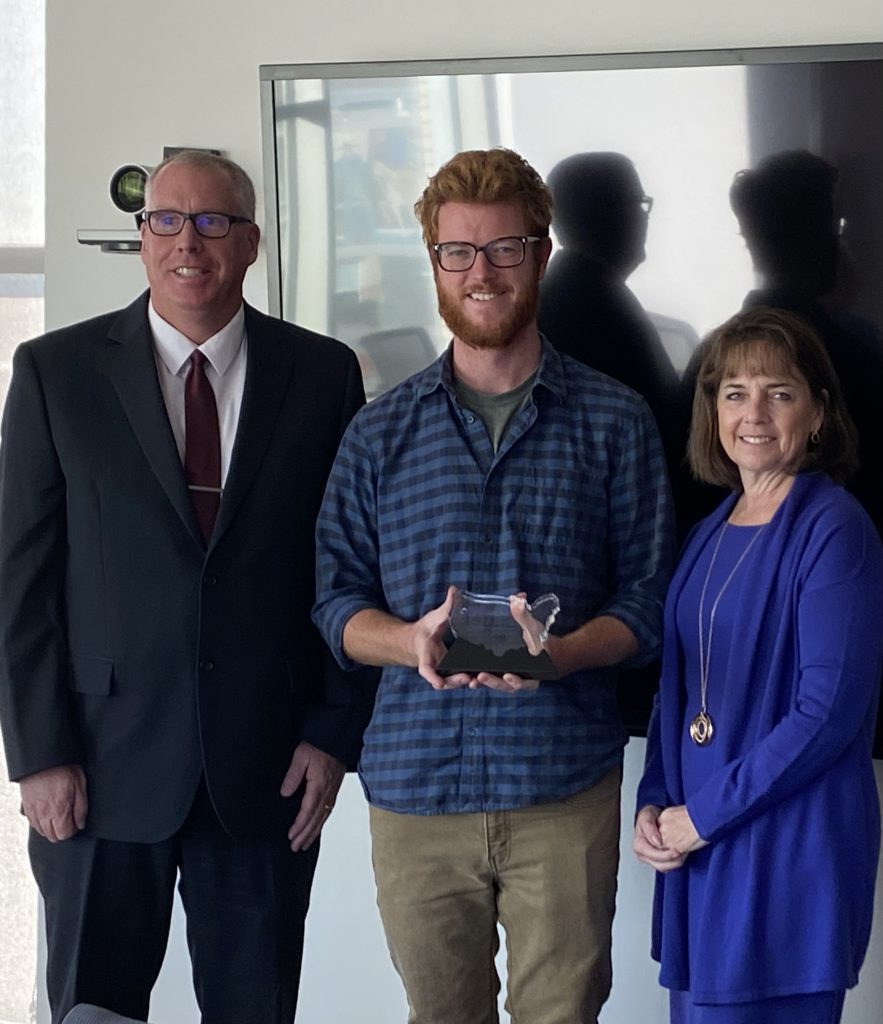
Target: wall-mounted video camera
127 186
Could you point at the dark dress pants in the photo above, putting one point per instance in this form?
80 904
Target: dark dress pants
109 904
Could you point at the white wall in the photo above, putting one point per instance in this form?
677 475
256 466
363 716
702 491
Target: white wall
122 82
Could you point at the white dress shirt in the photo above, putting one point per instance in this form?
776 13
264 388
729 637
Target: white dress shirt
226 353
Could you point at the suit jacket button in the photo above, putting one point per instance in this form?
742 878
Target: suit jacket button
209 581
206 666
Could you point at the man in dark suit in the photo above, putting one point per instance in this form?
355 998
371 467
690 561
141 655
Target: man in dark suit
167 706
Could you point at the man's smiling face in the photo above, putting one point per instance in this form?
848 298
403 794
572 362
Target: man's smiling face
488 306
196 280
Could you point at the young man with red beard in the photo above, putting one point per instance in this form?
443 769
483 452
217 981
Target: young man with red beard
503 468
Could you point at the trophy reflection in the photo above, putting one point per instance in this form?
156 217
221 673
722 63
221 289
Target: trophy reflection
498 634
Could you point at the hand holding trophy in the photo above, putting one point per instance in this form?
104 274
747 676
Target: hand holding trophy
496 637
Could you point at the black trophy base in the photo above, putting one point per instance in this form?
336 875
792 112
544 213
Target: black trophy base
463 656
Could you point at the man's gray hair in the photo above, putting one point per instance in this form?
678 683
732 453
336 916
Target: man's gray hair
243 187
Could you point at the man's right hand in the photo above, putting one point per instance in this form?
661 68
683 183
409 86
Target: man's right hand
374 637
426 644
54 801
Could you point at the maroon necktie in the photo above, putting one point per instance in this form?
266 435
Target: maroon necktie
202 446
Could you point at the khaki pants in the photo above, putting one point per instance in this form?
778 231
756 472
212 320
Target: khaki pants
546 873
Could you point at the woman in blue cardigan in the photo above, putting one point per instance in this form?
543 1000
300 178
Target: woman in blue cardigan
758 807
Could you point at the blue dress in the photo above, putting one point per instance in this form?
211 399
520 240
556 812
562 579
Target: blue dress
724 593
779 905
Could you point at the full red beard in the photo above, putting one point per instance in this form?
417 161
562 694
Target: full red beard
521 315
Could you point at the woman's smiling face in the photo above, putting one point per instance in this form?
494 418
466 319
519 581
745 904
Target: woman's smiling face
765 418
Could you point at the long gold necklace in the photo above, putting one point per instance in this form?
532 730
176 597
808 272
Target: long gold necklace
702 727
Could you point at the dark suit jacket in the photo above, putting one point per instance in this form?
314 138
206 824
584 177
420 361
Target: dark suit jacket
125 645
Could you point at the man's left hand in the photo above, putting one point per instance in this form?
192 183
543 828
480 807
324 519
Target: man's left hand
533 632
322 775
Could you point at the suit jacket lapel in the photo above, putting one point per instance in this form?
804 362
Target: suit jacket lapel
266 382
130 365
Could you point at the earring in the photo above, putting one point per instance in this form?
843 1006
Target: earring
815 437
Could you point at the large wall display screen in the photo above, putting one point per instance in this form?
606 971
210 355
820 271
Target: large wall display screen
348 149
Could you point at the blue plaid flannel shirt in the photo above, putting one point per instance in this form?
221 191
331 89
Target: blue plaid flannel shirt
575 501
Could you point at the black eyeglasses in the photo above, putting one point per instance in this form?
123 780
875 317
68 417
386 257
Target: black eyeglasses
501 252
209 225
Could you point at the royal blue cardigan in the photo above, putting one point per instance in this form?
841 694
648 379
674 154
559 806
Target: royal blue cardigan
790 806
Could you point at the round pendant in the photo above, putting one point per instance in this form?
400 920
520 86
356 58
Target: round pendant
701 729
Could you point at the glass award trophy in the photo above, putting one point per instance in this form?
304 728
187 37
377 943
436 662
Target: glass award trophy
498 634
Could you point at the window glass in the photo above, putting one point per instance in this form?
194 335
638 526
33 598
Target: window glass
21 316
21 121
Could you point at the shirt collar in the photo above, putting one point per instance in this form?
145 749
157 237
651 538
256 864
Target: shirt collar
440 374
175 349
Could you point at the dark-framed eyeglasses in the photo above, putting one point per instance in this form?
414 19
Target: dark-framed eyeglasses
208 224
500 252
646 203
